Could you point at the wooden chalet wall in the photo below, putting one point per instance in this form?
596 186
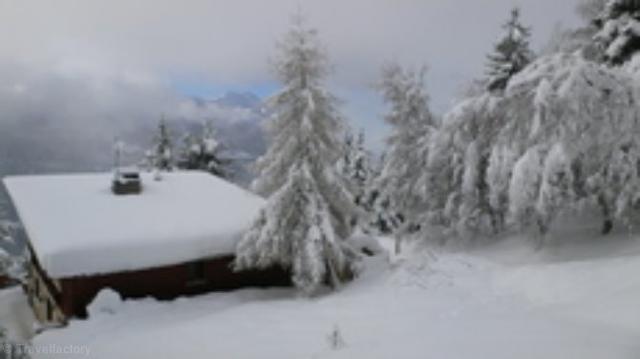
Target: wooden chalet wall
5 281
166 282
44 294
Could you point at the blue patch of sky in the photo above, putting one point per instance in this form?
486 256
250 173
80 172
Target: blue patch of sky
361 107
204 89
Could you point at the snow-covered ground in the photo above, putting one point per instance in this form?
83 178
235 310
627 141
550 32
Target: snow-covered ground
575 299
15 315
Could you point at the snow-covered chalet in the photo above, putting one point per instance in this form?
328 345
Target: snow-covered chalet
175 237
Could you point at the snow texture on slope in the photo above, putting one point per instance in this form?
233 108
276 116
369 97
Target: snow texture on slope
429 304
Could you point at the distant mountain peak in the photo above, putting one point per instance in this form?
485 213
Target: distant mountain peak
239 99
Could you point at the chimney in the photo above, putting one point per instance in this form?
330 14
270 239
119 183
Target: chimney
126 181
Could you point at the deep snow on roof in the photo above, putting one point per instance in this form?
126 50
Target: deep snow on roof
77 226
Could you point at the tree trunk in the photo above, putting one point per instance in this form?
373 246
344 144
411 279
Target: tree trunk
607 225
398 246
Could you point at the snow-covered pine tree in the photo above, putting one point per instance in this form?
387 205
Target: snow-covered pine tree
569 40
572 125
361 171
412 124
189 148
461 176
11 265
498 176
5 263
203 152
591 9
356 169
511 54
345 169
468 167
557 139
556 186
619 30
307 218
348 153
5 237
582 38
161 157
382 218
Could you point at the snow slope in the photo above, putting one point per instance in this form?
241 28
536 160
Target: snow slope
78 227
15 314
505 301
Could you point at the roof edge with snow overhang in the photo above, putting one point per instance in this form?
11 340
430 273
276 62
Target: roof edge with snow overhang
78 227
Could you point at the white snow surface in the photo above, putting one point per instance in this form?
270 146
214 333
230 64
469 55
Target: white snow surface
16 315
575 298
78 227
108 301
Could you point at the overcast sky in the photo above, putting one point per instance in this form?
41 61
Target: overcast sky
205 48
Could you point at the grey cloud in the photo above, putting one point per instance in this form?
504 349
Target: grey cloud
77 62
231 40
52 122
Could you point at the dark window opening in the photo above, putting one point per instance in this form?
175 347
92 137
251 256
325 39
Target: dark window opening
196 273
49 311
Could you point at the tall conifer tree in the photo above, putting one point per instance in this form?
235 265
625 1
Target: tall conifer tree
307 218
511 53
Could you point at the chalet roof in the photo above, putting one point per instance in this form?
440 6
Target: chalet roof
78 227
